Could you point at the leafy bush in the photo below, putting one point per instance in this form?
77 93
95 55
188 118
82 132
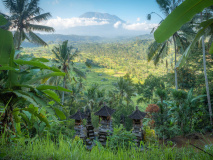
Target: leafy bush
125 111
149 134
121 138
165 123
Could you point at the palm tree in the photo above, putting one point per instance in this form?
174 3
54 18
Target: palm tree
126 89
24 15
65 56
156 50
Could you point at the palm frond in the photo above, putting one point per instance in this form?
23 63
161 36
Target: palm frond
21 5
56 53
41 17
164 6
35 39
34 12
24 36
33 5
161 54
152 50
79 73
181 43
64 49
35 27
73 54
11 5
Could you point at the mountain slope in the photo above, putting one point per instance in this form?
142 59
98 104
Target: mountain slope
102 16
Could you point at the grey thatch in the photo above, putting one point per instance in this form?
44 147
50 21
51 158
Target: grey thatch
137 114
78 115
105 111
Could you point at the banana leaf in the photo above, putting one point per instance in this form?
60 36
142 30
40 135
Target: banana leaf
178 17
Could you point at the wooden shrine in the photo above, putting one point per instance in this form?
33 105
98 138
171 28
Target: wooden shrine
105 128
79 128
137 117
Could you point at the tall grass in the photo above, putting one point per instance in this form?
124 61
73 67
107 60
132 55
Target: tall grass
63 148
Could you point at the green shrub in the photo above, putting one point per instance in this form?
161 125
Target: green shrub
121 138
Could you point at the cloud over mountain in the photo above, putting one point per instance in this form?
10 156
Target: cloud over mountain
98 24
139 26
102 16
60 23
117 24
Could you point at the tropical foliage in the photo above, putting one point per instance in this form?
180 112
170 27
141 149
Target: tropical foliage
18 88
24 16
181 20
34 120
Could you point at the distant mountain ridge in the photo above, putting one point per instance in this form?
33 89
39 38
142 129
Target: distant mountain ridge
73 38
102 16
58 38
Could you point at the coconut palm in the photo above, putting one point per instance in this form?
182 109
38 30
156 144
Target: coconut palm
65 56
24 16
159 51
125 89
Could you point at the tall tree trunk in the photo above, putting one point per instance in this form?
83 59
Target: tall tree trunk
19 43
19 39
206 81
206 78
176 81
62 99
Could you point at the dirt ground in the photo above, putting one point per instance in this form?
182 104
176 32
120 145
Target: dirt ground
197 139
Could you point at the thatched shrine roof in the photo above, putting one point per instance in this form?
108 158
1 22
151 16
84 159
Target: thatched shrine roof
137 114
78 115
105 111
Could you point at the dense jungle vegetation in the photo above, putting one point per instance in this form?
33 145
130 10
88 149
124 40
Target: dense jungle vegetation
169 77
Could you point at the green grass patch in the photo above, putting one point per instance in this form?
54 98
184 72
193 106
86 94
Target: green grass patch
64 148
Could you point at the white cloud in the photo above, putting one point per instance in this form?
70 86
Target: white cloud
138 19
117 24
55 2
64 23
139 26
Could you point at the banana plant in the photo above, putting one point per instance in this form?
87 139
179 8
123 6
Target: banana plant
19 82
36 120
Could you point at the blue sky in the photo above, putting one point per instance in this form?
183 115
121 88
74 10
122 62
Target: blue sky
128 10
134 12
